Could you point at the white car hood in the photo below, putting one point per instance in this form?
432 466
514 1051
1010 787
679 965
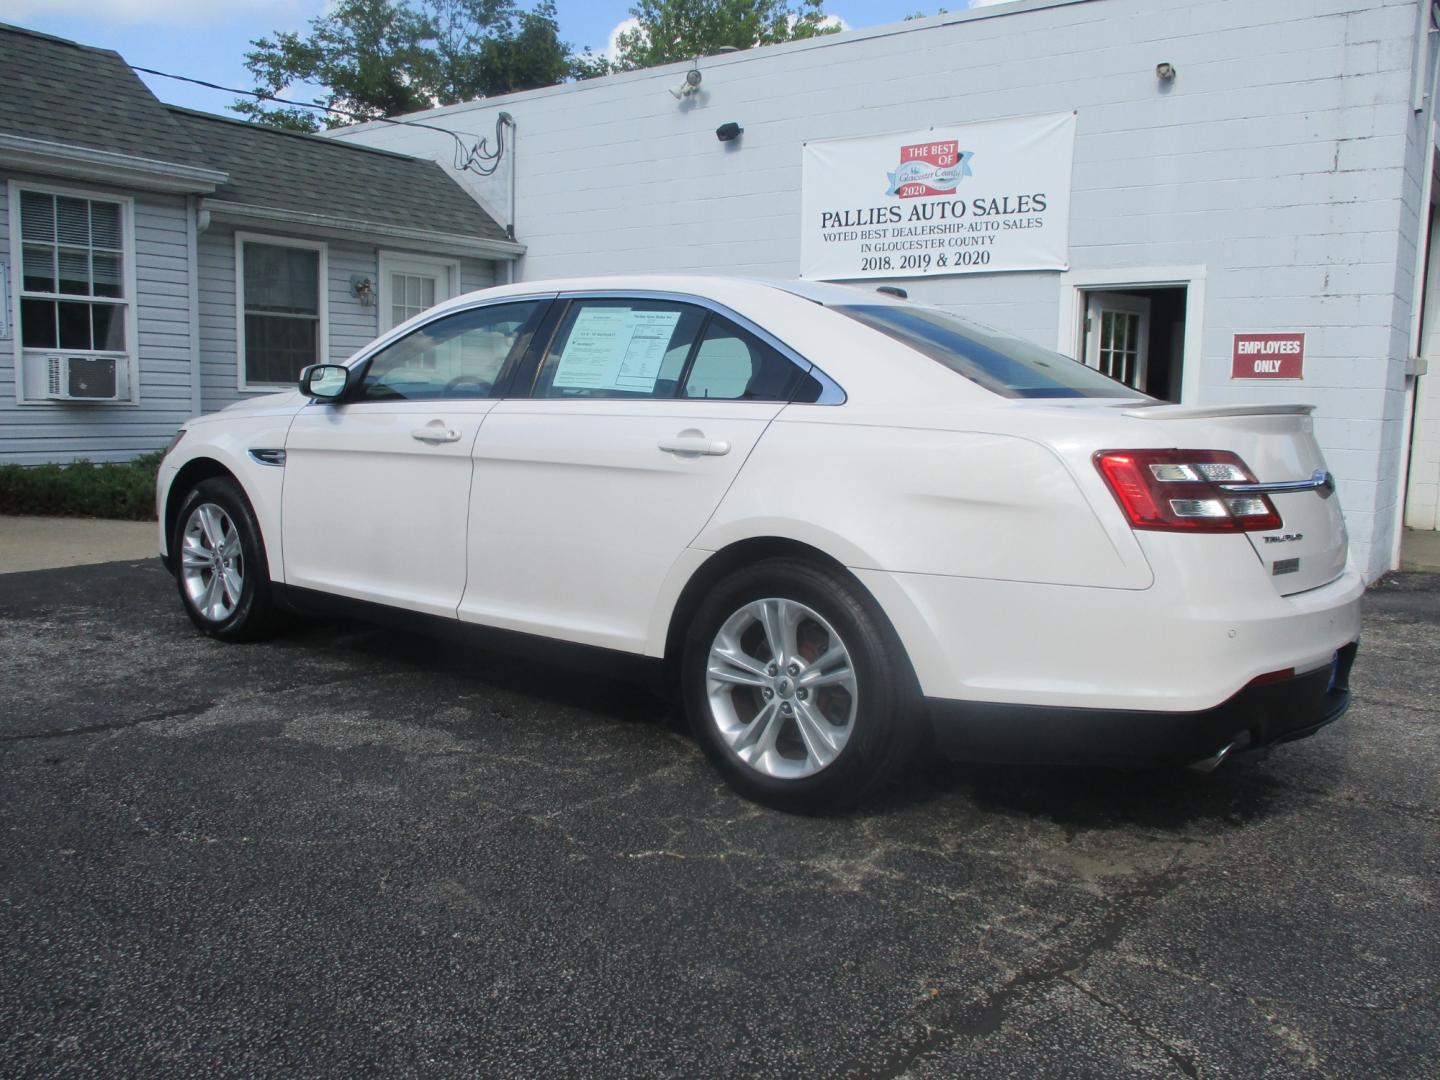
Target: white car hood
264 403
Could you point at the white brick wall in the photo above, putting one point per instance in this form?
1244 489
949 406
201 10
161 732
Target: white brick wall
1285 159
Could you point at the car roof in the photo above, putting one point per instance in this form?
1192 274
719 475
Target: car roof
712 285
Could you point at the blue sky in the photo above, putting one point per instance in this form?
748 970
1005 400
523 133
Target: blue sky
207 39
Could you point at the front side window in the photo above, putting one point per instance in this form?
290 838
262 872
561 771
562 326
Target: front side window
1004 365
455 356
72 280
281 310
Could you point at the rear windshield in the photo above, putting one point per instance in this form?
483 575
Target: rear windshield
1005 365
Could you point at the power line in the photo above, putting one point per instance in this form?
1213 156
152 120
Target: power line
477 157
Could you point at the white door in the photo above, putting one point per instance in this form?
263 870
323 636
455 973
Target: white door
377 488
1117 335
642 414
410 284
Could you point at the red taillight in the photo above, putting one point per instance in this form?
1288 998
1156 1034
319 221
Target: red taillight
1181 490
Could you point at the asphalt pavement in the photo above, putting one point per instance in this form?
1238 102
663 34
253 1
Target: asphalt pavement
350 852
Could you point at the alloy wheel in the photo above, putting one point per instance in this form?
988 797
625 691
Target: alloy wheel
782 688
212 563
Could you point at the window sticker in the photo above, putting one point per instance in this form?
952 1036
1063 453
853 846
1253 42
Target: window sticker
615 349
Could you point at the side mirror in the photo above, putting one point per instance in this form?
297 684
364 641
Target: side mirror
325 382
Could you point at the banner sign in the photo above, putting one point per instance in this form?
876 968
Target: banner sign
1268 356
966 199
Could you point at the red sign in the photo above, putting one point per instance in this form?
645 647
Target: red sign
1268 356
932 168
939 154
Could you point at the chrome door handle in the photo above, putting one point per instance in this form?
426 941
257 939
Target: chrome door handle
694 443
435 433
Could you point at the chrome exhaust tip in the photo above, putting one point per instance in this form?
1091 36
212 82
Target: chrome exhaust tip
1215 760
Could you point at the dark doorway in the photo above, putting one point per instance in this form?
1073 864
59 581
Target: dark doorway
1137 336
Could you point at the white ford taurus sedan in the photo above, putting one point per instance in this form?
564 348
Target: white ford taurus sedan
836 524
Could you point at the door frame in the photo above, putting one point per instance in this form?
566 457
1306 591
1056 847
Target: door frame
1075 283
391 261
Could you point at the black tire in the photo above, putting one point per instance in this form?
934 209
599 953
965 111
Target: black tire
887 722
254 615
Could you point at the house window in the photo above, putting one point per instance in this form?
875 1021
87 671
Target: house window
72 279
282 309
412 294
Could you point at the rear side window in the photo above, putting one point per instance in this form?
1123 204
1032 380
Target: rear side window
620 349
732 364
1001 364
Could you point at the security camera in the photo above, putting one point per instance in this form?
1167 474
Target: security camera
1165 72
689 86
729 132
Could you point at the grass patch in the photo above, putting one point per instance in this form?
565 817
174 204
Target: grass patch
82 489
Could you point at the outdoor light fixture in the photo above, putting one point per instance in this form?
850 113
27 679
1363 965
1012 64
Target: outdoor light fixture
363 289
729 132
690 86
1165 72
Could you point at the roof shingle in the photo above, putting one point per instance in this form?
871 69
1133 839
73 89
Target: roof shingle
288 170
77 95
62 92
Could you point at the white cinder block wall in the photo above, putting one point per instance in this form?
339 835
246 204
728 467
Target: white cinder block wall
1285 159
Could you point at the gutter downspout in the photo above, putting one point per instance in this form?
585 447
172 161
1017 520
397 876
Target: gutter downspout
1424 253
1419 92
193 228
508 119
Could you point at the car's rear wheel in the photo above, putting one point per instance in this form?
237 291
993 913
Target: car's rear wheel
797 688
220 563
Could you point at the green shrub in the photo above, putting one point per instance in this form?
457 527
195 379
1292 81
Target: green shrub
82 489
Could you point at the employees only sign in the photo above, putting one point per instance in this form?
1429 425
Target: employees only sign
1268 356
970 198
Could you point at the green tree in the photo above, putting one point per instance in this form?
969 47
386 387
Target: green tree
374 58
672 30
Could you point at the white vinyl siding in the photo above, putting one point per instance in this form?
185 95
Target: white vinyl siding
351 324
159 343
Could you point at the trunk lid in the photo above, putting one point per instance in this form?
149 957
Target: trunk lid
1278 443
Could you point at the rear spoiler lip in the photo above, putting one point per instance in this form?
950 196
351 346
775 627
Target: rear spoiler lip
1198 412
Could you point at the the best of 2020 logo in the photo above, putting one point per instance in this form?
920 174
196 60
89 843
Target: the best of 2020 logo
933 168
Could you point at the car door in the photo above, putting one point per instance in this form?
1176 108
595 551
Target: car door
377 486
641 412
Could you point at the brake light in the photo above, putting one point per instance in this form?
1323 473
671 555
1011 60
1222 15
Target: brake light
1180 491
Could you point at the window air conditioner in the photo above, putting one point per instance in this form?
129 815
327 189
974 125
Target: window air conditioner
83 378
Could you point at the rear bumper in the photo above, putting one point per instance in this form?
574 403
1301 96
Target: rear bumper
1259 715
1189 643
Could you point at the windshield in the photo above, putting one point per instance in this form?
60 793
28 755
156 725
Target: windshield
1002 364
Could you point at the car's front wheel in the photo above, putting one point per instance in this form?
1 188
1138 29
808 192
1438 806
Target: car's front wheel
220 563
796 687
